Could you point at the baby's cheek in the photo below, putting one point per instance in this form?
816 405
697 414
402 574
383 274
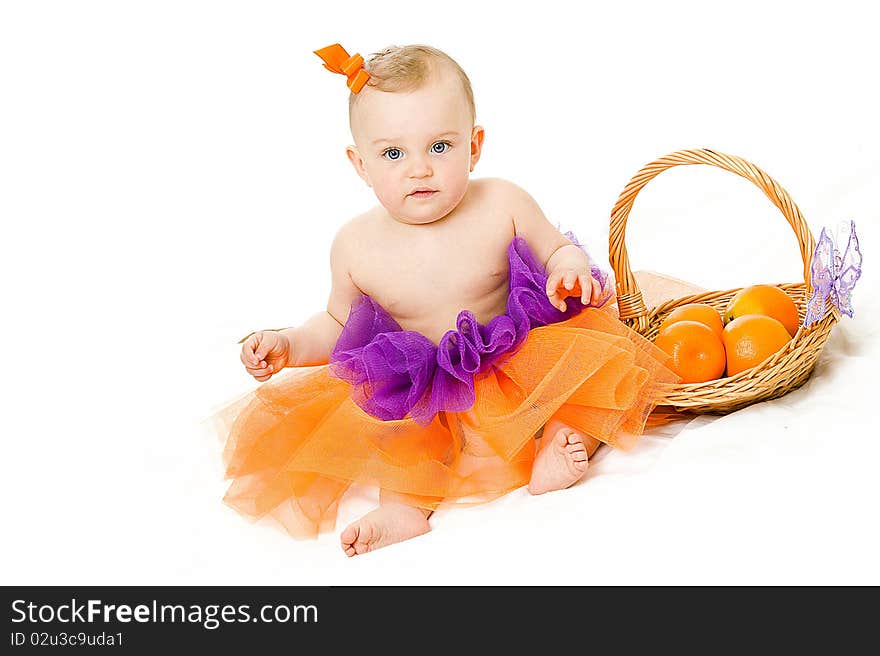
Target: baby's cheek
456 189
385 196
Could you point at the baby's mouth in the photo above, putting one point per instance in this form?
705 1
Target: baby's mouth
422 193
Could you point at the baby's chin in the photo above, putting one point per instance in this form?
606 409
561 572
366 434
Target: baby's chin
420 220
421 216
409 220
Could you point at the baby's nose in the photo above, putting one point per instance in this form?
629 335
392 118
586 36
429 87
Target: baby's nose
420 167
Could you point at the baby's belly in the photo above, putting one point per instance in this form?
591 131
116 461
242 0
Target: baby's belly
436 317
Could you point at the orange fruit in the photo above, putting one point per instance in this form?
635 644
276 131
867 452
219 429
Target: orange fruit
751 339
697 352
699 312
768 300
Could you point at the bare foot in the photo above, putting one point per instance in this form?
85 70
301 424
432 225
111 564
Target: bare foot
386 525
560 463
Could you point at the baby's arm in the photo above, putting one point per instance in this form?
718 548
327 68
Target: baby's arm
566 265
312 342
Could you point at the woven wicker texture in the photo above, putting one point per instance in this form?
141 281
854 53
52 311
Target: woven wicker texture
779 374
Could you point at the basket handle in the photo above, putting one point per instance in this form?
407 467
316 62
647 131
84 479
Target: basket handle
629 296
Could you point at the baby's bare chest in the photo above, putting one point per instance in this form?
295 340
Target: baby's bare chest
426 279
454 271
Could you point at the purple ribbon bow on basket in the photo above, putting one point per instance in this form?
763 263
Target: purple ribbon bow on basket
833 273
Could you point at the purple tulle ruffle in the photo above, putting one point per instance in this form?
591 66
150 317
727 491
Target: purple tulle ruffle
395 372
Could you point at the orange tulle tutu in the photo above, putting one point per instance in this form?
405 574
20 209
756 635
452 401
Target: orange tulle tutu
299 441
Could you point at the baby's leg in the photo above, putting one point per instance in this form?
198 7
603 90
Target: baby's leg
393 521
562 458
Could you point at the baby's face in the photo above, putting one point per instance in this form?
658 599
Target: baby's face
413 141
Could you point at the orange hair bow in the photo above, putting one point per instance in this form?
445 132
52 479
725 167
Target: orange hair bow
337 60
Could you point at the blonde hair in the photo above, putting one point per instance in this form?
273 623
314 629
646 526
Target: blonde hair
404 68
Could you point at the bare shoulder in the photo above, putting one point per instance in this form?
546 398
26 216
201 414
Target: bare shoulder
497 187
527 217
348 245
343 261
504 193
350 234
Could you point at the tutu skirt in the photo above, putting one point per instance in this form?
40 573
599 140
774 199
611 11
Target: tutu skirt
296 443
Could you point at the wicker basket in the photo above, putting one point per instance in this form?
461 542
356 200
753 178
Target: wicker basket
777 375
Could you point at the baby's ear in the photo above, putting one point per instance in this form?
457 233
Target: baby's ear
358 163
477 136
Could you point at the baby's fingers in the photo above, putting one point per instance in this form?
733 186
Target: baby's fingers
557 301
584 282
261 373
249 356
552 286
553 281
248 359
553 294
263 348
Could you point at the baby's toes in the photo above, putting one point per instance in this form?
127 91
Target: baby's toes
366 537
573 439
576 450
577 455
560 439
576 447
347 538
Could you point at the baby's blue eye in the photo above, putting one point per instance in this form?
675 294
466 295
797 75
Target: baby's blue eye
443 147
393 154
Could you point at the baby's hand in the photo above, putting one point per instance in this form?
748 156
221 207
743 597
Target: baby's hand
265 353
566 281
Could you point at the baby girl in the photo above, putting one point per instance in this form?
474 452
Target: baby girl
461 325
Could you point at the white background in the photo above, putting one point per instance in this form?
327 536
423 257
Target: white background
172 174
